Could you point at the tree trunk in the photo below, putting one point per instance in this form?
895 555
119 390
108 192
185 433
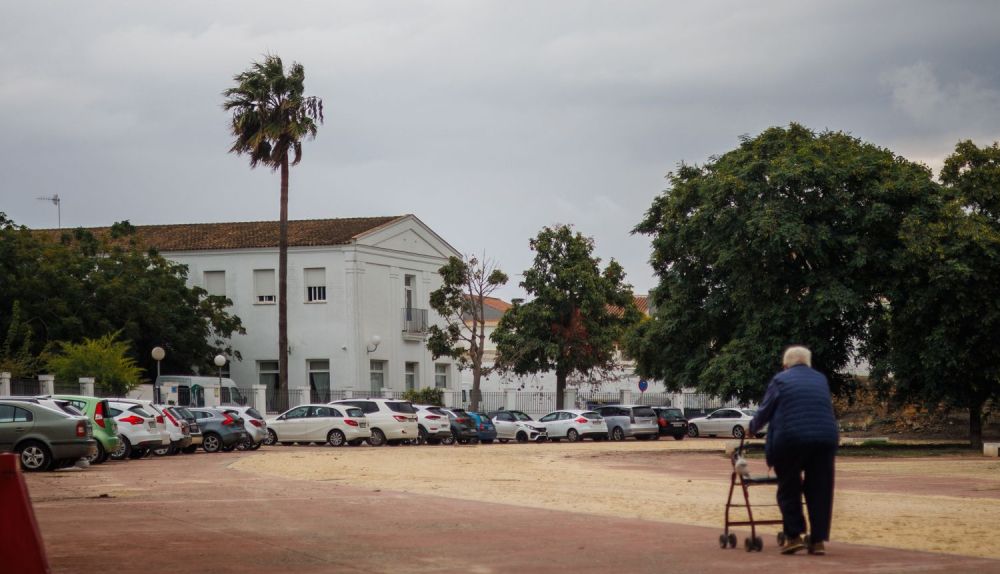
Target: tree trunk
560 389
283 281
976 423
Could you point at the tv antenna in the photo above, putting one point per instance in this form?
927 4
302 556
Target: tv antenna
55 201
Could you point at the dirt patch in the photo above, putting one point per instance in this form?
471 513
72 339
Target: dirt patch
665 481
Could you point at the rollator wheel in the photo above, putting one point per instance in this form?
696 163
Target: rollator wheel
781 538
758 544
748 544
722 541
732 540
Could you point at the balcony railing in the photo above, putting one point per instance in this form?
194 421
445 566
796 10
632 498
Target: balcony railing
414 321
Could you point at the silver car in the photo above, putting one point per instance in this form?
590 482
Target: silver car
623 421
254 423
44 438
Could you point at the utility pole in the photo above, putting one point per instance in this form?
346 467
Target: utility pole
55 201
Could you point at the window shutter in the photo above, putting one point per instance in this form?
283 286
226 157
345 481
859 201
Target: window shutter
263 284
215 282
315 277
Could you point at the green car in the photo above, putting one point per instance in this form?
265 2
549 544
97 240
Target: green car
105 427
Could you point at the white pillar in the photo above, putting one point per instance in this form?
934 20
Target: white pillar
625 397
386 393
348 393
510 399
87 386
47 384
259 393
449 398
569 399
4 384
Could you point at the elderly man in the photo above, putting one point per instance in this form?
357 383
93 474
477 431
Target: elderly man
801 444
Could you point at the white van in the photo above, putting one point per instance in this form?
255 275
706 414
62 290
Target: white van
192 391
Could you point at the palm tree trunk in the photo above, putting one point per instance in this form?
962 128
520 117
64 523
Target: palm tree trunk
283 281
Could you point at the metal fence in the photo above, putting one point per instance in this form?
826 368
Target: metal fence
656 399
67 388
535 402
279 401
697 404
601 398
25 388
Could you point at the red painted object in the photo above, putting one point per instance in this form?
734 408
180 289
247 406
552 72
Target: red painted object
21 548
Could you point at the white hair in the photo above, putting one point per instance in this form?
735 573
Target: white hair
797 355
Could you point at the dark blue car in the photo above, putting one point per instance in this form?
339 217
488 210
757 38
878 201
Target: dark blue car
485 430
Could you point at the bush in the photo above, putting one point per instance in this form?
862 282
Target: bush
105 359
428 396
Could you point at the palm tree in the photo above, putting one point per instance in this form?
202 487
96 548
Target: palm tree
270 119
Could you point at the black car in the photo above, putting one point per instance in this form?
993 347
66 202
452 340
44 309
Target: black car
671 422
463 427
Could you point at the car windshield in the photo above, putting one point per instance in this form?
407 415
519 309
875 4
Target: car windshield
522 417
401 407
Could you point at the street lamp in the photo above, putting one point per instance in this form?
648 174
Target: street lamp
220 361
158 355
373 343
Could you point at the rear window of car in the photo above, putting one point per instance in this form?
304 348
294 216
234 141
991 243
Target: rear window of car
355 412
672 414
643 412
69 408
749 412
255 414
437 411
139 411
401 407
183 412
367 406
592 416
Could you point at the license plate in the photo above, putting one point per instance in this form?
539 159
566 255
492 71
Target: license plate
151 424
363 425
676 424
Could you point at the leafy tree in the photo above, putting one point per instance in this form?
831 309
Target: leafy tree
73 285
790 238
105 358
577 314
425 396
15 354
938 332
271 117
459 300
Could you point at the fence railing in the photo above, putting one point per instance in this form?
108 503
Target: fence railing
67 388
280 400
535 402
26 388
415 321
656 399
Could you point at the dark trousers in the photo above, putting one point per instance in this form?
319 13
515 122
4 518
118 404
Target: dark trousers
806 470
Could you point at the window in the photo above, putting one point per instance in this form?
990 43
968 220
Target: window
409 282
297 413
410 376
441 376
263 286
366 406
324 412
549 417
506 417
401 407
267 375
377 377
319 381
12 414
215 282
315 279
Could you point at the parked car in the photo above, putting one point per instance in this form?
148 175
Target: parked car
104 425
172 436
463 427
625 421
219 430
194 430
391 421
334 424
433 424
723 422
137 429
254 424
44 438
574 425
486 431
515 425
671 422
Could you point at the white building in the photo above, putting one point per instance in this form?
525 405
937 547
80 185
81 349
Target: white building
350 282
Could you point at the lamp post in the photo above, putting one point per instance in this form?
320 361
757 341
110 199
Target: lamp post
158 355
220 361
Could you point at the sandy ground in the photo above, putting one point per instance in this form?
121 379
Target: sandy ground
948 504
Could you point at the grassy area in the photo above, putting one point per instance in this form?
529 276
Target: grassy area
883 449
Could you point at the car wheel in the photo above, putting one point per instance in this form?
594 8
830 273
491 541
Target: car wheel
421 435
211 442
572 435
191 449
693 431
257 445
271 438
161 451
377 438
448 440
679 436
336 438
138 453
35 456
124 449
522 436
738 432
246 444
98 457
617 434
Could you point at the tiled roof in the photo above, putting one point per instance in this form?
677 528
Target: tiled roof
245 234
641 303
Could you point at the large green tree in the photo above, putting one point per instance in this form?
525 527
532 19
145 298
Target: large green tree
270 118
939 334
74 285
787 239
466 283
576 316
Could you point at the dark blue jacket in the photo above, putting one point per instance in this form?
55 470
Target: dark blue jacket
798 407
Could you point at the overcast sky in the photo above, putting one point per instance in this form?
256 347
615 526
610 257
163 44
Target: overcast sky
488 120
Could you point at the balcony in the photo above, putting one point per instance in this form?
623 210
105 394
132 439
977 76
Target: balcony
414 323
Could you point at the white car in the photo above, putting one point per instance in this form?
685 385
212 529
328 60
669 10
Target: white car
515 425
171 434
433 424
335 424
574 425
391 421
254 424
723 422
137 429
